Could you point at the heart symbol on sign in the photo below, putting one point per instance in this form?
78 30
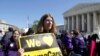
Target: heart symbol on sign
48 40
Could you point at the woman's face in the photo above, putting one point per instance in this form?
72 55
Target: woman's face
48 22
72 34
16 35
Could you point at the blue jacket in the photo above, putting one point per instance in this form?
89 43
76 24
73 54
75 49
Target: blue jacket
67 40
79 43
1 52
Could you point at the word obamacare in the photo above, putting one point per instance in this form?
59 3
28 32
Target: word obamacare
49 53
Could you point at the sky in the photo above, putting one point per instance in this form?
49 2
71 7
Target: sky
17 12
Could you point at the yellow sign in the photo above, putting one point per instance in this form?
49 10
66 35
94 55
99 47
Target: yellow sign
45 52
40 45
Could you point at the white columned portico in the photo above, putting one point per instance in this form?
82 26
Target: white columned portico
84 18
82 22
94 21
88 22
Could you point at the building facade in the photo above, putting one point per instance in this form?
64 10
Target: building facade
4 26
84 17
60 28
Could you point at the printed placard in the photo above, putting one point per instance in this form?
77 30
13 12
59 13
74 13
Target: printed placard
40 45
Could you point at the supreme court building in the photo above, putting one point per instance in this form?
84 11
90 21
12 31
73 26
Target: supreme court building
84 17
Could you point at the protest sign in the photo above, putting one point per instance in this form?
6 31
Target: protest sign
40 45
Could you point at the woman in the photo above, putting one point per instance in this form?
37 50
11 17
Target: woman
93 47
67 40
30 31
12 47
46 24
79 46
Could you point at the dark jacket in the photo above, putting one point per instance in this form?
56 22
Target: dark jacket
67 40
1 51
6 38
79 44
12 49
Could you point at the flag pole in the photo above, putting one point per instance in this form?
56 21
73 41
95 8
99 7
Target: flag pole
27 21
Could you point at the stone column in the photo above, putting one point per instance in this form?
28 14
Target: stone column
88 22
82 22
68 24
94 21
72 22
77 26
65 23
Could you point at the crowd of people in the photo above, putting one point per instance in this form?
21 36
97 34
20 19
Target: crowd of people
70 44
76 44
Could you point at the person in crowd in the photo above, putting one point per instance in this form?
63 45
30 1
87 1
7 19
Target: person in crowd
1 34
67 41
13 46
1 50
30 31
93 51
61 44
1 46
6 38
71 33
7 35
98 46
79 46
88 44
46 25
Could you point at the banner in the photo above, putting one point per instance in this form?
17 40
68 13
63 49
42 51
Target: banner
40 45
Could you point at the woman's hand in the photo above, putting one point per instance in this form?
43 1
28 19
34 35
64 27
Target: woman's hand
20 51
